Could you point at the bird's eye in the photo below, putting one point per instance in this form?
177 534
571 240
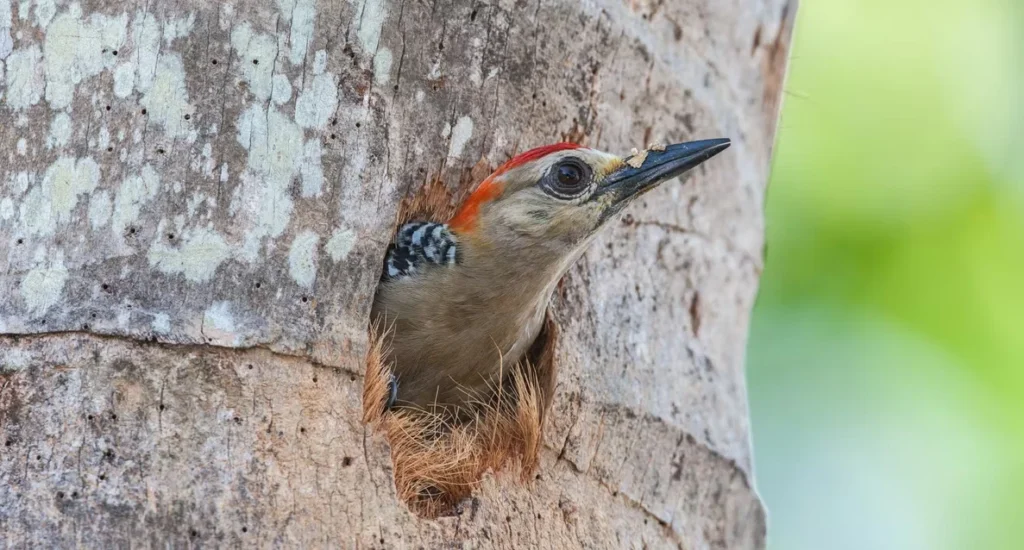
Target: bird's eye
569 175
568 179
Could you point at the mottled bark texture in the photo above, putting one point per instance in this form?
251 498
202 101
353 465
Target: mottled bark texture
195 198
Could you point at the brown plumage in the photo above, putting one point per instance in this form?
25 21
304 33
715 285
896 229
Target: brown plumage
459 332
458 327
437 462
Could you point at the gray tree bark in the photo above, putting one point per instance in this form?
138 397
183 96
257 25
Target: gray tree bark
195 199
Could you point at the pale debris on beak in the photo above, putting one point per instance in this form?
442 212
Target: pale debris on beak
643 170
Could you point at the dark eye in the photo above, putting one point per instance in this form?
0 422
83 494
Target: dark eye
568 179
569 175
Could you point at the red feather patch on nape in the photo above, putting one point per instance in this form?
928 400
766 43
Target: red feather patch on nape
490 188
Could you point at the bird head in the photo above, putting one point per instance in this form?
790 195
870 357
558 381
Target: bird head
553 199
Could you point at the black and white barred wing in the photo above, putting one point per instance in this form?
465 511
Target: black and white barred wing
418 244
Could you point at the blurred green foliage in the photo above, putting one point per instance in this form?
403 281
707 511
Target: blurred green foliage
886 359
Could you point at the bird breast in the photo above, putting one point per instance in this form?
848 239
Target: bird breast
451 342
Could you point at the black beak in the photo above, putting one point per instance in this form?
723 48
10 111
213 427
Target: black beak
629 182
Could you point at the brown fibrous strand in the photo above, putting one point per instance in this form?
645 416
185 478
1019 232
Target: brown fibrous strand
440 458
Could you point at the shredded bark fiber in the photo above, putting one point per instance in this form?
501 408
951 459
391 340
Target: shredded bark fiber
439 458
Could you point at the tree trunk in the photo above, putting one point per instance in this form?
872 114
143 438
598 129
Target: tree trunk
195 199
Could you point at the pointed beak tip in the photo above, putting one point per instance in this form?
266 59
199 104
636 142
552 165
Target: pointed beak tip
688 155
722 145
713 146
700 151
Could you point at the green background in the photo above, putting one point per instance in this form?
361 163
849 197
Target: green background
886 358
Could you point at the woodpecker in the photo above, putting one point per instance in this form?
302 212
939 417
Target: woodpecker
465 299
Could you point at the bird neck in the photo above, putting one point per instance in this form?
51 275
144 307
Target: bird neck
522 275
